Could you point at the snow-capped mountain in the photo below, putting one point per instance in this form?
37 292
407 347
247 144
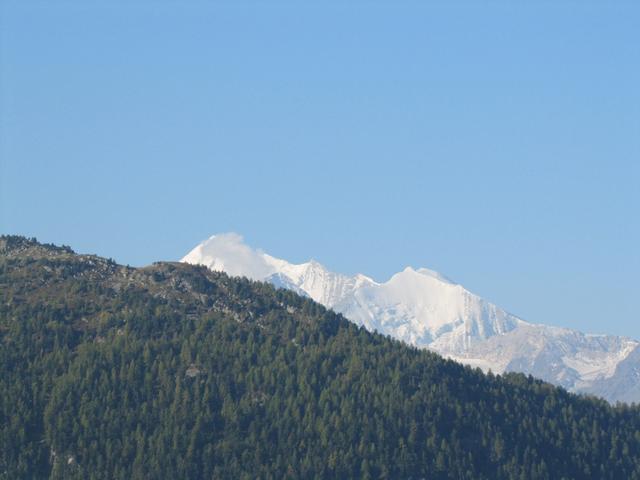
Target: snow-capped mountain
425 309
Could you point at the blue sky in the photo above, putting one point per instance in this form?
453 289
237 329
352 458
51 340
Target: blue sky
496 142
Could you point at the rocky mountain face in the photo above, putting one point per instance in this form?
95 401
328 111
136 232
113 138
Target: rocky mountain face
425 309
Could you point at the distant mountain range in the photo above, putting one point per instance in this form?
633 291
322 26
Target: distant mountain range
425 309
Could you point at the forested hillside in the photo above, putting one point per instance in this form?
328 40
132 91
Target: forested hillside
174 371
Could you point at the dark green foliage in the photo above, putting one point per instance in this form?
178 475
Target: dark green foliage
173 371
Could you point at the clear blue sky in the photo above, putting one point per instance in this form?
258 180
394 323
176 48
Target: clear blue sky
496 142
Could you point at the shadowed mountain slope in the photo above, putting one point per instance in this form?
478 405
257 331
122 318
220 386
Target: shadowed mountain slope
175 371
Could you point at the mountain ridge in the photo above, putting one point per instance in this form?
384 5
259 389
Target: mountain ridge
177 371
426 309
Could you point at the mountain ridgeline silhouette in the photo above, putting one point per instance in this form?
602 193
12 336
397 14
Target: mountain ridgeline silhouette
177 371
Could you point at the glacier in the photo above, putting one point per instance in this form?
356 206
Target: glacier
426 309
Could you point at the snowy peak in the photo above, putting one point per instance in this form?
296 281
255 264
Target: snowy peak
419 306
431 273
428 310
228 253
